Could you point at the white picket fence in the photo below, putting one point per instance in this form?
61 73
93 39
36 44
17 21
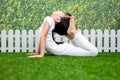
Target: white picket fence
27 41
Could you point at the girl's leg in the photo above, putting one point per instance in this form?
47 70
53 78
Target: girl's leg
71 50
82 46
80 41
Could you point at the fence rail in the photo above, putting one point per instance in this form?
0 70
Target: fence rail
27 41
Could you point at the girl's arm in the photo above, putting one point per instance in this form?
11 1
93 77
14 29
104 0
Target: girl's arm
43 36
41 46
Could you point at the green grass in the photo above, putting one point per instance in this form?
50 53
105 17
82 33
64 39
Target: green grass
16 66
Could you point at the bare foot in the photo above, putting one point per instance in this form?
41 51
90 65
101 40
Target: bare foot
72 29
36 56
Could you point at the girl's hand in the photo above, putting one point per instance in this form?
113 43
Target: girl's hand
30 54
36 56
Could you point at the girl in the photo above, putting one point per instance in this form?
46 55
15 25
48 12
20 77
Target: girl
58 20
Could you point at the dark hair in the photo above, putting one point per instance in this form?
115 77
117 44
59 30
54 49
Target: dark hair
61 27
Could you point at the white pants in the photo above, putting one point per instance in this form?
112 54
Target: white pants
80 47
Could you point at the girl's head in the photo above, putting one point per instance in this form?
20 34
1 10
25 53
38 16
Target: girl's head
57 15
62 26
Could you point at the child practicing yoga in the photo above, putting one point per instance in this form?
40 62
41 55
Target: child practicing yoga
62 24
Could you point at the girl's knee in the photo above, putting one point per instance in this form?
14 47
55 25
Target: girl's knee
95 52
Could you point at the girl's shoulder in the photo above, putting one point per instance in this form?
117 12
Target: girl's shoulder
50 20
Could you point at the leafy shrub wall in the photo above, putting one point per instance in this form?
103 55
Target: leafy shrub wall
29 14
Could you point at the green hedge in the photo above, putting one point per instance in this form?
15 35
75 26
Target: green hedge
29 14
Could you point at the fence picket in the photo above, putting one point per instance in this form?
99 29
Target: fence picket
86 34
37 39
99 40
10 41
92 38
3 41
30 40
24 41
106 40
17 41
113 41
118 40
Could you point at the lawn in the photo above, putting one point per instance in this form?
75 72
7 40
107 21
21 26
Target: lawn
16 66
